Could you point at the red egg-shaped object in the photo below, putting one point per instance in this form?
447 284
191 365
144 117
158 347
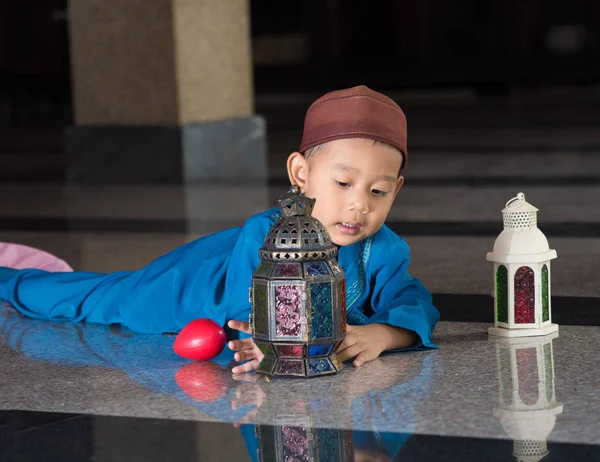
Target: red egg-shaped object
205 381
200 340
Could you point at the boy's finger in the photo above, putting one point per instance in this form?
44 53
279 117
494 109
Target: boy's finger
362 358
240 325
349 352
346 343
244 355
243 344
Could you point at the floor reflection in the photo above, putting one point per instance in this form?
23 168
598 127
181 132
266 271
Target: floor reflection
527 406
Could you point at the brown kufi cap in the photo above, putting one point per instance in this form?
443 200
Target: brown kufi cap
357 112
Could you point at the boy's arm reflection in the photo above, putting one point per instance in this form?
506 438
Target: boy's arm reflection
210 387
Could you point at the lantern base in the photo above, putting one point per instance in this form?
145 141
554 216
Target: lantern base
313 367
532 332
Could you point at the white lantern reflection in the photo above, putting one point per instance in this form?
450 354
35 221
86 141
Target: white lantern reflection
527 406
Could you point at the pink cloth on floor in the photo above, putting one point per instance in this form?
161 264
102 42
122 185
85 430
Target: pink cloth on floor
19 256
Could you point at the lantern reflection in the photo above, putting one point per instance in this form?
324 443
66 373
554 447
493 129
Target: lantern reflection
527 406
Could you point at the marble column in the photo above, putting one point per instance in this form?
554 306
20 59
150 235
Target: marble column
163 93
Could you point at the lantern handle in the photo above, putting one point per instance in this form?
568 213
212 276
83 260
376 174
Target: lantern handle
519 197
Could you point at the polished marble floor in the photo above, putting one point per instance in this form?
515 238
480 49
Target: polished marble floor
91 393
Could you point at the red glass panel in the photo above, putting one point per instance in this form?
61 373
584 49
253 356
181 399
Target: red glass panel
524 296
287 310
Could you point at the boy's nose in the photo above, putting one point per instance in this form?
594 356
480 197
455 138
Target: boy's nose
360 204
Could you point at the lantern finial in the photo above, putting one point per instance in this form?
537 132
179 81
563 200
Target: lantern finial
293 203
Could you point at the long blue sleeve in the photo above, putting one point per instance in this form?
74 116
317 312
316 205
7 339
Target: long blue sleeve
397 298
190 282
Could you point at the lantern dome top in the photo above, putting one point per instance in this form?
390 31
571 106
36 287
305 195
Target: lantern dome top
521 241
297 236
519 214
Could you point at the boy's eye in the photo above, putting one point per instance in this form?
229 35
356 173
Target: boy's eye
343 184
378 192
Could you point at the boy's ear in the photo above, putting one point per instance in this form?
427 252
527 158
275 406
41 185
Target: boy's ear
399 184
297 167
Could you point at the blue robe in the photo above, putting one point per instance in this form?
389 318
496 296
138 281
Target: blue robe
210 277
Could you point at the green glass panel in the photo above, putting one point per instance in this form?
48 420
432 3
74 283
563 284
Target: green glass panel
502 293
545 297
261 314
266 365
266 349
264 269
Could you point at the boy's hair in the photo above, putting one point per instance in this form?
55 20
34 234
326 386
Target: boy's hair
312 152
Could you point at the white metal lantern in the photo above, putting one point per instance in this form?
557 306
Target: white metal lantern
527 406
521 257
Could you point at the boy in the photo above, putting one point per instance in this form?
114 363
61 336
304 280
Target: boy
352 152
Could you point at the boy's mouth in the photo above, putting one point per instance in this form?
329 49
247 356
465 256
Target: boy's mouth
350 228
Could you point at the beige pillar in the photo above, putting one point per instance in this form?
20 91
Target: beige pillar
162 91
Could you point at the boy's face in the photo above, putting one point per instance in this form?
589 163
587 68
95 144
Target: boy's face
354 182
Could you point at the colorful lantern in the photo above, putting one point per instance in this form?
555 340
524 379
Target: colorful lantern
298 295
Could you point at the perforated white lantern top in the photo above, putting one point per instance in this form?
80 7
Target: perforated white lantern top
521 256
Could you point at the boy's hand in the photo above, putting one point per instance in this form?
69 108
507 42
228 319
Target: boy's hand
246 349
366 343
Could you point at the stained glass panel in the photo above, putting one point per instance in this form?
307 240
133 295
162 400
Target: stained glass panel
288 311
335 267
316 269
524 296
264 269
321 310
288 270
502 294
337 363
290 366
290 351
342 293
319 350
318 366
260 314
545 295
266 349
266 365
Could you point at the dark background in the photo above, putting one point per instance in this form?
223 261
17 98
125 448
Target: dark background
501 49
